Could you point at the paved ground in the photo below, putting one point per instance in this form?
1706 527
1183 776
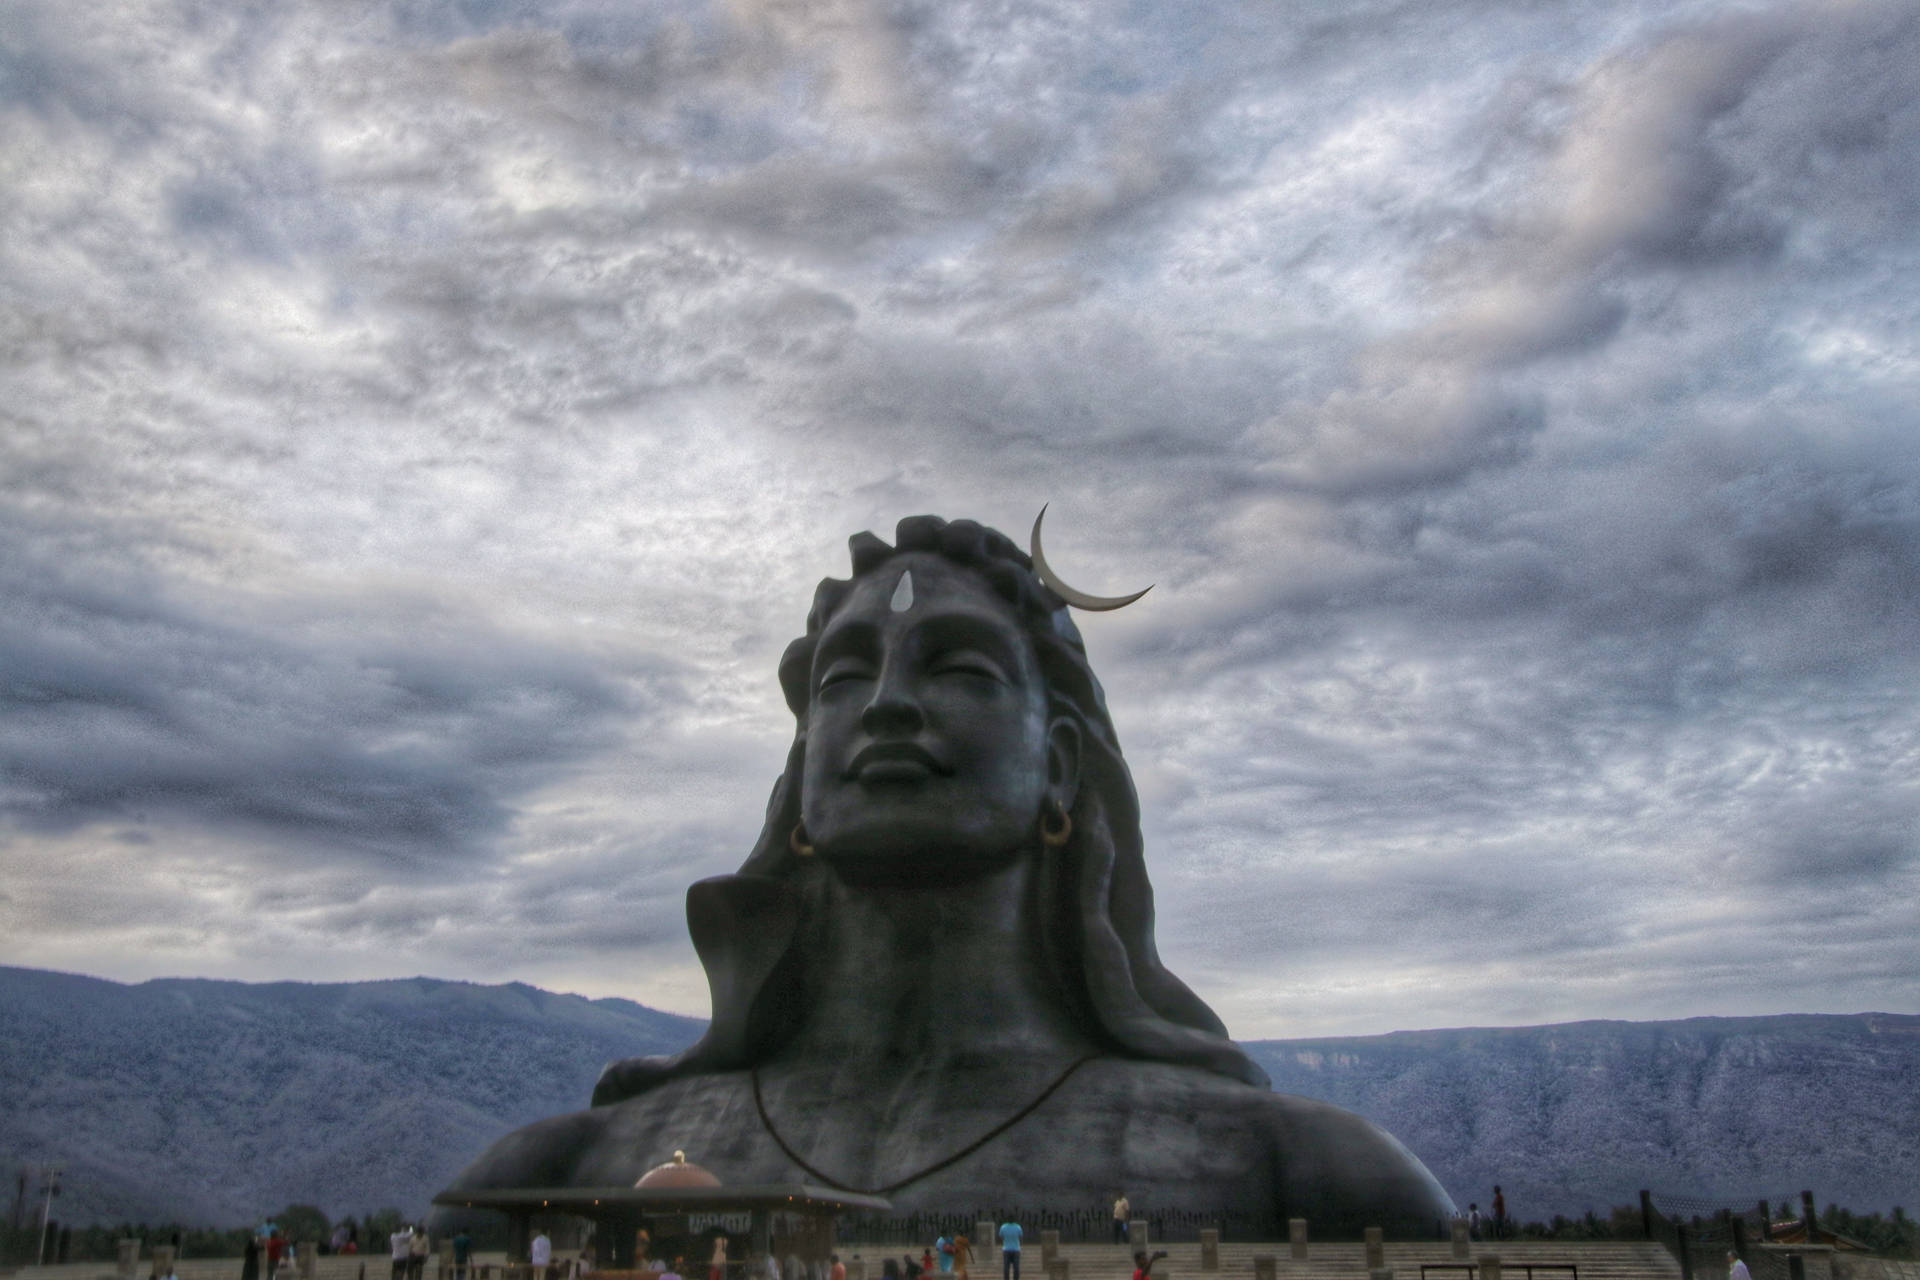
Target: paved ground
1596 1260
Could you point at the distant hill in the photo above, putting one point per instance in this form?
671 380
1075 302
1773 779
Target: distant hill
215 1102
1582 1115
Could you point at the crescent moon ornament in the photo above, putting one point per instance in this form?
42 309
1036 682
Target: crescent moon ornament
1078 599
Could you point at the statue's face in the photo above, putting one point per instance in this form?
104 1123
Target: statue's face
929 751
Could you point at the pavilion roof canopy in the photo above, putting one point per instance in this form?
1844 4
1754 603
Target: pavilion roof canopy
587 1201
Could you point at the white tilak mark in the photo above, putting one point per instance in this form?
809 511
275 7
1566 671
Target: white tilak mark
903 594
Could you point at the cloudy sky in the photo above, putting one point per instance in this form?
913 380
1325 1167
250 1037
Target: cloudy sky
422 426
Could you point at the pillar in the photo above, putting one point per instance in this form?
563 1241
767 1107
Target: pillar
1460 1249
1376 1249
1210 1249
1137 1233
1489 1266
1297 1239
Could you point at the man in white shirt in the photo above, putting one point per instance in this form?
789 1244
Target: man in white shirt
542 1254
1122 1211
401 1243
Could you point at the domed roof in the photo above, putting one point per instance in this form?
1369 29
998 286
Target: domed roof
676 1173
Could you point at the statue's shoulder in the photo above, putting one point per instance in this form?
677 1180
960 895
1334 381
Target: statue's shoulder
613 1145
1324 1163
1329 1159
542 1154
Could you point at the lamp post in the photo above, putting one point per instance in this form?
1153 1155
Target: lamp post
51 1175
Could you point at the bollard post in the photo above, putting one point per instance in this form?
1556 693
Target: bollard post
162 1259
1137 1233
1210 1249
1489 1266
1380 1273
1460 1249
1265 1267
127 1257
985 1242
1376 1249
1297 1239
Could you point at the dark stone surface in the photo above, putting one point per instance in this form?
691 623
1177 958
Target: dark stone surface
906 965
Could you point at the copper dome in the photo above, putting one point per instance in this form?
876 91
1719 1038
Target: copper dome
676 1173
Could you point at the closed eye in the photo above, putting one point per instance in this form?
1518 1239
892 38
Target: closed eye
967 662
844 670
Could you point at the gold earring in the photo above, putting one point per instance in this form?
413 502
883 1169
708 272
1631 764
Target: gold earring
797 840
1053 835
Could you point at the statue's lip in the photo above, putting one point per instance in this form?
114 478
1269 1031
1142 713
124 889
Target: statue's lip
893 762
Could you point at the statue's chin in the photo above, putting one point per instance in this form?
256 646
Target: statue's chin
917 865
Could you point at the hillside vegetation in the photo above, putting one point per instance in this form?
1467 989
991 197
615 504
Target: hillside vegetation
206 1102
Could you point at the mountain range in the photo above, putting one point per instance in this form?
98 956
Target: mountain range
211 1102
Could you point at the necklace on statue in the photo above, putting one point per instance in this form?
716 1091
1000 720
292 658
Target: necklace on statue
766 1122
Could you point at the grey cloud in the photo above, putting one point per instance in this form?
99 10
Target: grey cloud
128 702
1513 403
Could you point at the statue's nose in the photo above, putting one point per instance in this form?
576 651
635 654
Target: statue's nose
893 708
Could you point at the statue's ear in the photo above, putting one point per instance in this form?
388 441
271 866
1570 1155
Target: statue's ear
1063 761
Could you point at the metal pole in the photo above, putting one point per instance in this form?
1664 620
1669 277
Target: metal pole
52 1175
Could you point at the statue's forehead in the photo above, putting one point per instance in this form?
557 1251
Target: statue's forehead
934 578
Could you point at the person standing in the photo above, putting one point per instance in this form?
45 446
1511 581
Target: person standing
541 1253
1122 1212
250 1260
462 1253
1736 1268
1473 1221
1499 1214
943 1249
398 1244
1009 1251
717 1264
839 1271
418 1245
